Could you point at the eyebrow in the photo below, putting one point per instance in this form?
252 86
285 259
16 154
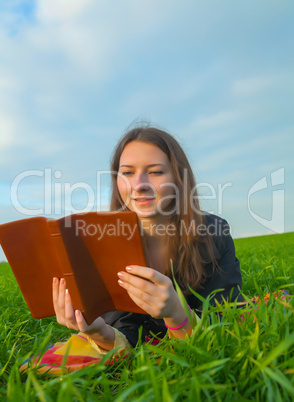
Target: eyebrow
152 165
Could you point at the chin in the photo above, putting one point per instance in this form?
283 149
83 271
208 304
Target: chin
146 214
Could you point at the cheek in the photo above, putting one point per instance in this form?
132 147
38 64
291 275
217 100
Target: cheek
123 187
168 188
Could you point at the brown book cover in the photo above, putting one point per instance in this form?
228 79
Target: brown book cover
86 249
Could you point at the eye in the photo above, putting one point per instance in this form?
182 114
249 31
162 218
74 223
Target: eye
126 173
157 172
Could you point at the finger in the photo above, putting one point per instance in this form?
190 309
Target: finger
147 273
61 297
148 308
138 292
132 282
55 296
81 323
69 312
55 292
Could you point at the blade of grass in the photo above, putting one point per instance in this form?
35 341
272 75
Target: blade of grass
274 354
280 378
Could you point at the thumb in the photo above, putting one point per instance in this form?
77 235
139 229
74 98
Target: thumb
81 322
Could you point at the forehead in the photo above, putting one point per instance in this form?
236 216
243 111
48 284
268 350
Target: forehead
138 152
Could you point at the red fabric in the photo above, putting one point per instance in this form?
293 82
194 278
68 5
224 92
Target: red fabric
82 354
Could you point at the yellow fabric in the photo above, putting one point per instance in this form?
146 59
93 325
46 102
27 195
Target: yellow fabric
120 342
78 352
77 346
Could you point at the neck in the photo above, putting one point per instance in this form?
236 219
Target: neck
155 227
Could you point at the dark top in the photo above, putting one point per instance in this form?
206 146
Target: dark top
227 277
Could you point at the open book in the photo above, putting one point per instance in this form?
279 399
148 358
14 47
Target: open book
86 249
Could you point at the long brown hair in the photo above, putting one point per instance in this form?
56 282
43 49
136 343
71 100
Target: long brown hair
186 246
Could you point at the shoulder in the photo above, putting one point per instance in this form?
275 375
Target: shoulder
219 230
215 225
227 274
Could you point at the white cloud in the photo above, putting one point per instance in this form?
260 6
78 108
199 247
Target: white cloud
211 131
271 145
60 10
253 85
7 82
7 132
219 119
162 95
70 50
92 36
66 89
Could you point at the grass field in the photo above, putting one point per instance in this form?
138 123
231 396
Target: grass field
221 361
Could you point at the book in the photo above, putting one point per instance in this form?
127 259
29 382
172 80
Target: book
86 249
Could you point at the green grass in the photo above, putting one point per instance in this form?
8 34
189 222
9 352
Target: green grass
221 361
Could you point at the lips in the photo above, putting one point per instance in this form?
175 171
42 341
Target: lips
143 200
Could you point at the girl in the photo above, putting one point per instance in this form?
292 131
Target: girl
152 176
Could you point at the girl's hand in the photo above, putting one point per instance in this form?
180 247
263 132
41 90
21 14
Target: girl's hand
66 315
153 292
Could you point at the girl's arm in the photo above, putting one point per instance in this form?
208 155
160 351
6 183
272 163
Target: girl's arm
155 294
103 335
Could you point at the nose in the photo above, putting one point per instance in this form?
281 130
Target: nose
141 183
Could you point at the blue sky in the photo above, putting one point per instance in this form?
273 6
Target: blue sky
218 75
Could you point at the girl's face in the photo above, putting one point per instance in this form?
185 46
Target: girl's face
145 181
